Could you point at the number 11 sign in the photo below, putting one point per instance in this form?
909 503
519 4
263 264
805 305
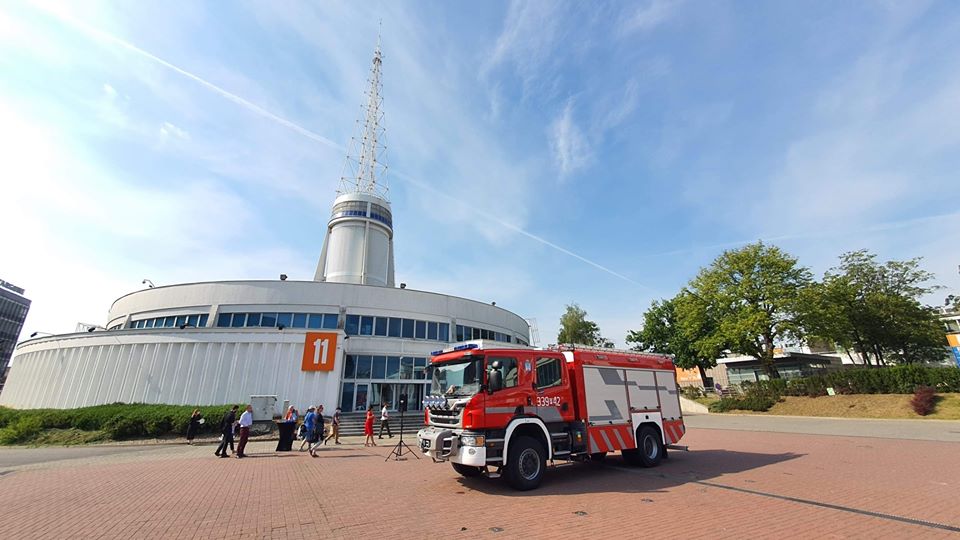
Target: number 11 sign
319 350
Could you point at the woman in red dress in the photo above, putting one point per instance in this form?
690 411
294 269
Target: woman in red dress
368 428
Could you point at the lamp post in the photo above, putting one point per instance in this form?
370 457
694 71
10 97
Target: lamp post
148 283
44 333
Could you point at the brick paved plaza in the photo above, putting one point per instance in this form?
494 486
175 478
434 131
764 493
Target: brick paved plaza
733 484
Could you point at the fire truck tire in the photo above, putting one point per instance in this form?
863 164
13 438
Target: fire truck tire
468 471
650 447
526 463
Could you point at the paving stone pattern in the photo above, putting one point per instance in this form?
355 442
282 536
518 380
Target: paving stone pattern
733 484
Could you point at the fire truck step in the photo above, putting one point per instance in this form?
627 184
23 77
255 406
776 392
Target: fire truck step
677 447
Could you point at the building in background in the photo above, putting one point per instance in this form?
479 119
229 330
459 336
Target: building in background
13 311
348 338
951 321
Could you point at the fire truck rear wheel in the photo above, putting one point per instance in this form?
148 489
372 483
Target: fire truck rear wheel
526 462
468 471
649 447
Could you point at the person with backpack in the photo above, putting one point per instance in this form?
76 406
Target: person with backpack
309 422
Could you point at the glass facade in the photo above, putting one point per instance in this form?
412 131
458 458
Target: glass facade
196 321
368 325
374 380
465 333
327 321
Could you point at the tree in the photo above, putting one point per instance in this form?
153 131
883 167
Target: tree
662 333
575 328
747 302
875 310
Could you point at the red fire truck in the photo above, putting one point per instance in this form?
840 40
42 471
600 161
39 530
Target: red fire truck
500 409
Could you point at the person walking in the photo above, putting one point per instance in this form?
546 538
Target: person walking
384 422
246 420
194 425
317 431
309 421
368 428
226 431
334 427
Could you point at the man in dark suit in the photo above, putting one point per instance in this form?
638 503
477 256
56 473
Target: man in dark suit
226 429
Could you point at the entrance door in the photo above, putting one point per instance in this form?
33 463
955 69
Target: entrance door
361 402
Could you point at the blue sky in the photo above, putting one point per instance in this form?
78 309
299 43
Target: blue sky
540 153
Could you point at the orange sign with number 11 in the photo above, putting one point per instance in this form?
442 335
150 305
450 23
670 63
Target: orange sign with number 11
319 351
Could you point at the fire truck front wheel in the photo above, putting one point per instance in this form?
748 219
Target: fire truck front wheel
525 464
468 471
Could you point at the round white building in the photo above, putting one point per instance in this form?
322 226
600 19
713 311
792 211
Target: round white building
349 338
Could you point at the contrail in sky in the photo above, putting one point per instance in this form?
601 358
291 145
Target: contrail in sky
256 109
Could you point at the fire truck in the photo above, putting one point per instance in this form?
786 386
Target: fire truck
497 409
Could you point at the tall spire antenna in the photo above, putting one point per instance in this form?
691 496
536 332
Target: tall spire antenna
364 164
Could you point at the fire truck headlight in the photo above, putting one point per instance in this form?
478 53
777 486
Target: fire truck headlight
472 440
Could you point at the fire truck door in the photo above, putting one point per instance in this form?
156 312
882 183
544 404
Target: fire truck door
553 395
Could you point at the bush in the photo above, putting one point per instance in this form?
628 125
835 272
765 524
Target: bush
746 403
923 400
116 420
691 392
21 431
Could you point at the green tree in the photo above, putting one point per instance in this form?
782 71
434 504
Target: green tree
747 302
662 333
874 310
575 328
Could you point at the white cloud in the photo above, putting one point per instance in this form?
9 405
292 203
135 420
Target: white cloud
650 15
570 148
169 130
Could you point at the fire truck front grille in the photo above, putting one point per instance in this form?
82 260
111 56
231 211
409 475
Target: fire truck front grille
445 417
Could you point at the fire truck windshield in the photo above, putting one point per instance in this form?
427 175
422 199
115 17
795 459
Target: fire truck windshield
458 378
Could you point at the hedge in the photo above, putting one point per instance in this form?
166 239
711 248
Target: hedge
885 380
116 420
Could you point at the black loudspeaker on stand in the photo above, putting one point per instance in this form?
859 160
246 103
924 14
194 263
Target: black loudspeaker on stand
401 447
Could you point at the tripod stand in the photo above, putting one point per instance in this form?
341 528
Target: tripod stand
401 447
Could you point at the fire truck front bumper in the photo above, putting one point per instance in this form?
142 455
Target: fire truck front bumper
449 445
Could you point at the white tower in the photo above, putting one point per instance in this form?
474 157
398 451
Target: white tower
358 247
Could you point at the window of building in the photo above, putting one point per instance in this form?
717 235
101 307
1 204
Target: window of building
420 331
239 319
443 332
299 320
393 329
379 367
393 367
406 367
285 320
366 325
268 320
352 327
315 321
253 319
363 366
349 367
380 326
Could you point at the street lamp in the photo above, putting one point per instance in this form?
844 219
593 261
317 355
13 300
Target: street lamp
44 333
148 282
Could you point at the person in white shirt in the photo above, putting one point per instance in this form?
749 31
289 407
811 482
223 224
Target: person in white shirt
246 420
384 422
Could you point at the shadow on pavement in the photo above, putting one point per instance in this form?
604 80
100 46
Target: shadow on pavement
609 476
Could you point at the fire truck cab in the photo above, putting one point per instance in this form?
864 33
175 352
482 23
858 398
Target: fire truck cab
499 409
